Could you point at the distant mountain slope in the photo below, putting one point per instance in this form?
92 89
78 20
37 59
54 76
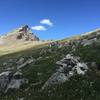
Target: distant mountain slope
19 39
23 33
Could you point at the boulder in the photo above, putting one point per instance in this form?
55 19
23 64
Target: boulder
5 78
18 75
21 60
56 78
81 68
30 60
15 84
68 67
10 80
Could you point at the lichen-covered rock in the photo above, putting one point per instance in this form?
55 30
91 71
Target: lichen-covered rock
56 78
5 78
21 60
30 60
18 75
16 84
68 66
81 68
11 80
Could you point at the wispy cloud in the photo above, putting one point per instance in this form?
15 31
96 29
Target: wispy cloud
46 22
38 28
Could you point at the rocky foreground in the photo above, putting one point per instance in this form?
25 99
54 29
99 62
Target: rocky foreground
68 66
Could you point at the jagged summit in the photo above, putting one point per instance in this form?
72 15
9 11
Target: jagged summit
21 33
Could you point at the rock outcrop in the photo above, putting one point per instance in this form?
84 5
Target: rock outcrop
23 33
67 67
5 78
12 78
29 61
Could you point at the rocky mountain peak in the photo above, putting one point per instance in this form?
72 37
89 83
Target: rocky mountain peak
22 33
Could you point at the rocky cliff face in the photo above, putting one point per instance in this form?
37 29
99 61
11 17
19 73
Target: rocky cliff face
23 33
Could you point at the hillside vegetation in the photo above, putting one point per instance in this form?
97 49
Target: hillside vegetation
78 87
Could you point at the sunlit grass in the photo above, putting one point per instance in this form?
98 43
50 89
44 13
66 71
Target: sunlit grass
19 46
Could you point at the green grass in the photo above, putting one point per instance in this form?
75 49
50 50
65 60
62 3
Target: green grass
78 88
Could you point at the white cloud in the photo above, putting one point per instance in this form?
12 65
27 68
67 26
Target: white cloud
38 28
47 22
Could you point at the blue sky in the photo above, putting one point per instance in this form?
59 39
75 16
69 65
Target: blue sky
68 17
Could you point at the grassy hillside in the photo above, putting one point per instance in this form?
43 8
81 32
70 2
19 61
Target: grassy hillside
78 88
16 46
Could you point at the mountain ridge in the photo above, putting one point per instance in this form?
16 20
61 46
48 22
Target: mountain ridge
22 33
